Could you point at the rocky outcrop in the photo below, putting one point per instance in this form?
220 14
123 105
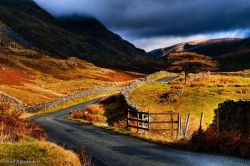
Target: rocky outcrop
234 117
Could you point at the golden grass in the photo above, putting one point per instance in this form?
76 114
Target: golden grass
24 142
34 78
39 152
202 95
92 113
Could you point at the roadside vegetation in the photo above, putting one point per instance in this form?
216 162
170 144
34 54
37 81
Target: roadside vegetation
229 133
25 142
110 111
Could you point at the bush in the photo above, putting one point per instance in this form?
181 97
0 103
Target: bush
93 113
12 127
226 143
4 106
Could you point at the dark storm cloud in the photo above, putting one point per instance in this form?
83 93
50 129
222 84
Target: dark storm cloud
150 18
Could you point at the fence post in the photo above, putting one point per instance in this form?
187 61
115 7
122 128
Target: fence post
137 123
172 124
128 119
186 125
148 121
201 120
179 125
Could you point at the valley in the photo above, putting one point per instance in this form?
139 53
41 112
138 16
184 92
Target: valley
73 92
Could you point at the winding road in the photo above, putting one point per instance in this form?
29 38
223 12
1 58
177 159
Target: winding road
110 149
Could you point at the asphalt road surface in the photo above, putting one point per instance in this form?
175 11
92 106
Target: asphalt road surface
166 79
109 149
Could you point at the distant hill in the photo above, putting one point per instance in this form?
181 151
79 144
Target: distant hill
25 24
233 54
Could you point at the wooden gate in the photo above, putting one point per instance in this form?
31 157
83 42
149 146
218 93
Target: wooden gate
167 121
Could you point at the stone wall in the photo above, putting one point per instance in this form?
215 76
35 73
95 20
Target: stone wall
240 74
128 90
201 75
125 91
233 116
8 99
74 96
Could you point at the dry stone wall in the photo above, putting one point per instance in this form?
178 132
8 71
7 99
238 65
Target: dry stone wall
233 116
125 91
76 95
128 90
8 99
239 74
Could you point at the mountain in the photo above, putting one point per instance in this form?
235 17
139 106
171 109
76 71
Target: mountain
23 23
233 54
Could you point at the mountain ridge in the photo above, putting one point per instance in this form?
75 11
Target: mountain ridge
233 54
84 38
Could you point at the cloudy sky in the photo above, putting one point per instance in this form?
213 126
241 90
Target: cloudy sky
151 24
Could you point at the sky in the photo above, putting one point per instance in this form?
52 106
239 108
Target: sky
151 24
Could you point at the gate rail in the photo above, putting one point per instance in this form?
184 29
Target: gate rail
144 121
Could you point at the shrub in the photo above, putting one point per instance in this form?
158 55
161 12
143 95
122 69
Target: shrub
93 113
226 143
12 127
4 106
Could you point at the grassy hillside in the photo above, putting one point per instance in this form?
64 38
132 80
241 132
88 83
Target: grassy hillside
231 53
201 95
33 77
84 38
38 153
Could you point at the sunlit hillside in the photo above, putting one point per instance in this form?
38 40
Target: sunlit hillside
32 77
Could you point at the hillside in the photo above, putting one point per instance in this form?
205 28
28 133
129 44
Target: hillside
198 94
232 54
34 78
31 27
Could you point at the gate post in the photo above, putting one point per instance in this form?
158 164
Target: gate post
172 123
186 125
128 116
179 125
148 121
138 122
